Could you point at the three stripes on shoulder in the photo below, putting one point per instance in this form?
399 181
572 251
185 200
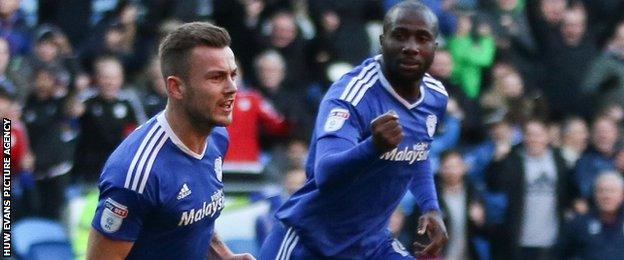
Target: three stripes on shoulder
368 76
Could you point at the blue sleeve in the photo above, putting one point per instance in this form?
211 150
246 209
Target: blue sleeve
340 153
120 211
338 161
422 187
448 139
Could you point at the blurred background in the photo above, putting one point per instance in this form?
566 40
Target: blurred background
528 161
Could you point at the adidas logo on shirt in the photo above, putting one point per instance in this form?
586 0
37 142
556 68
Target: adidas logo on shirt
185 191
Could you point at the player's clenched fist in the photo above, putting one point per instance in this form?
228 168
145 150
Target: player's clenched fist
386 130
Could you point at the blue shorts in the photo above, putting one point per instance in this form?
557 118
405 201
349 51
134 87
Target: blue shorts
283 244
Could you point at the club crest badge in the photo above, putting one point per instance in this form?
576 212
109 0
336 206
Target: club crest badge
431 122
218 168
113 215
336 119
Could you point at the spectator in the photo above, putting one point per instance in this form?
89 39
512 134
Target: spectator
545 18
66 52
45 54
351 41
242 19
284 38
52 141
509 94
465 213
107 120
13 27
613 111
441 69
72 16
575 137
605 79
23 190
253 117
496 147
324 47
600 156
10 81
120 34
539 191
598 234
514 41
566 56
471 53
604 16
271 70
155 93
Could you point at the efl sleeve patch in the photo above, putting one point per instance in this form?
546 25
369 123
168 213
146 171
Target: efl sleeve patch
336 119
113 215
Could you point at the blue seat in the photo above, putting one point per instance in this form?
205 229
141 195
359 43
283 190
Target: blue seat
50 251
242 246
32 231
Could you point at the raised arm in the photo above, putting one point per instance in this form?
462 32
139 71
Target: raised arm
340 159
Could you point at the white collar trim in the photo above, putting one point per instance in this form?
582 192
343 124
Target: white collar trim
386 84
174 138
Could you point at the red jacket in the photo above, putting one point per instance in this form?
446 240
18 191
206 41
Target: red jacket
252 115
19 146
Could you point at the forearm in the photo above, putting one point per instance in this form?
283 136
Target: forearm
423 189
218 249
338 161
101 247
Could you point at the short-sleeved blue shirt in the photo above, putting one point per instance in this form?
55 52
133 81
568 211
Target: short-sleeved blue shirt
160 194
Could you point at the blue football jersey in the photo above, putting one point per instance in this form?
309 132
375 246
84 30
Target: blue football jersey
160 194
351 222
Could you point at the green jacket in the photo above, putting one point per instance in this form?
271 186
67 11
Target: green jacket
470 57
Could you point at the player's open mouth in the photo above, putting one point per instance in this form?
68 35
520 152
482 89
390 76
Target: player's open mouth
227 105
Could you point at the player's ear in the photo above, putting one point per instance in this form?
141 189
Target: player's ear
381 38
175 87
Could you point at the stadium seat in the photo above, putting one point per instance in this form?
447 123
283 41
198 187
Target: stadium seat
31 232
242 246
50 251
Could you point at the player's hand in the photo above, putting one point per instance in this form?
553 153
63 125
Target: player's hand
432 224
245 256
386 130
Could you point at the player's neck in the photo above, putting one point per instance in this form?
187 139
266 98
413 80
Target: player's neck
408 90
192 137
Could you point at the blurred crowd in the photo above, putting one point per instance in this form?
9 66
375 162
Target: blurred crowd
529 159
